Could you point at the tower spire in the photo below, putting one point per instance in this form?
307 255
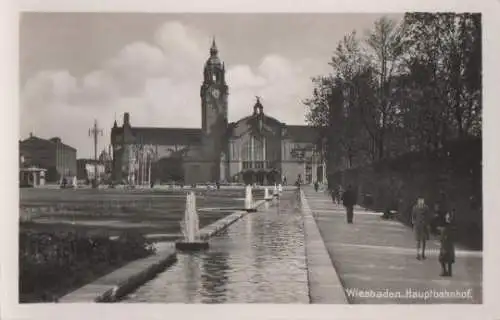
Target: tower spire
213 48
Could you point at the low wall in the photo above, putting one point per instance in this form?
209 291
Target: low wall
112 287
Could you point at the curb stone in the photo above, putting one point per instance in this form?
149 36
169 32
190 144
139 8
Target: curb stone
117 284
324 282
222 224
132 283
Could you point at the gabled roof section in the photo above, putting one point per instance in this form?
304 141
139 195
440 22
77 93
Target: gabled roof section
38 140
167 136
267 119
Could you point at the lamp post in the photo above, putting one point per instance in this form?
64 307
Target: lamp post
94 132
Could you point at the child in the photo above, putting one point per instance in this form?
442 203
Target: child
447 251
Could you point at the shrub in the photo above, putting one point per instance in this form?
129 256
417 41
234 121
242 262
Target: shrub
54 263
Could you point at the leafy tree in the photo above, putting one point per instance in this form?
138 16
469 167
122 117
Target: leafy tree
386 53
445 62
407 86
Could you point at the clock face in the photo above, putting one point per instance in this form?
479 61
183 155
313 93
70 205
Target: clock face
213 106
215 92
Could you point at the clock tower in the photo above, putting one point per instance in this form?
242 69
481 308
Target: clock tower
214 93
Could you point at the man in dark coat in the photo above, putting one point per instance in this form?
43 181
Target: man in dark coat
420 222
447 250
349 200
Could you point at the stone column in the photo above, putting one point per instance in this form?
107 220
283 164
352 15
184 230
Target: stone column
143 173
149 171
252 153
324 173
264 158
314 169
131 165
33 175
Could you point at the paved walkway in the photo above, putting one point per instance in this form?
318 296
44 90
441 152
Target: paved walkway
376 259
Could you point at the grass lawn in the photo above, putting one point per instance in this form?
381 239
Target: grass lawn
94 213
114 211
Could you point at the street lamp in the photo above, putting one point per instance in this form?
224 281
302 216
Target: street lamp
95 132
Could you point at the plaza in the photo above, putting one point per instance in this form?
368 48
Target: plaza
289 251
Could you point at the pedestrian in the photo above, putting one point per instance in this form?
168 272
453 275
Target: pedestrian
334 193
297 184
420 222
338 194
349 200
297 193
316 186
447 250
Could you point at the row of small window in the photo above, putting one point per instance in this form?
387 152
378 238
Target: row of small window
255 164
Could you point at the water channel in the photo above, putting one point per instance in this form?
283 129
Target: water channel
259 259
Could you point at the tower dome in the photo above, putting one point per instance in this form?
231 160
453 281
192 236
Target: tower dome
214 60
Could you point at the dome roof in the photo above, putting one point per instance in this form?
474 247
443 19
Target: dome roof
213 60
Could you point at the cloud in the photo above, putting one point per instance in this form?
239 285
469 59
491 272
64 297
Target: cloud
158 84
281 83
47 87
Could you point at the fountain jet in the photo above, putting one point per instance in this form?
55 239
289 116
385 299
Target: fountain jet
249 205
267 197
190 227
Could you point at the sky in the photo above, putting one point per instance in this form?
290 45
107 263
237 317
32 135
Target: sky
78 67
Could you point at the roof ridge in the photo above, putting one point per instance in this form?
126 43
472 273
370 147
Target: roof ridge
167 128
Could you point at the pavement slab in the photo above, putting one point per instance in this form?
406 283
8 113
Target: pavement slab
376 259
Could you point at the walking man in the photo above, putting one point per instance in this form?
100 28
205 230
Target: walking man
349 200
297 192
420 222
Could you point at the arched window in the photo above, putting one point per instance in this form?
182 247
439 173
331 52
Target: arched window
246 150
252 152
258 149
